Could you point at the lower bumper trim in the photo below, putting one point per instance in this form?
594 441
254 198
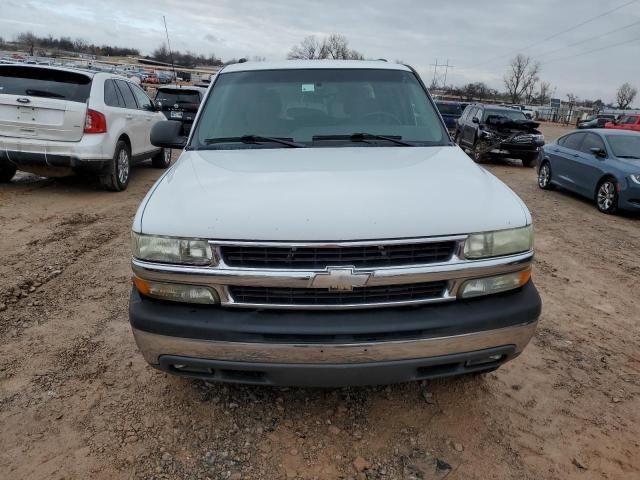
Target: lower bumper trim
154 346
337 375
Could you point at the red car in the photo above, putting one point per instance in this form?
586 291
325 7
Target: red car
625 122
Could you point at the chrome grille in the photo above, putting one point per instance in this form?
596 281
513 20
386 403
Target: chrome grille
319 296
360 256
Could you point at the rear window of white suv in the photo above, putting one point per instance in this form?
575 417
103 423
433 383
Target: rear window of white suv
44 82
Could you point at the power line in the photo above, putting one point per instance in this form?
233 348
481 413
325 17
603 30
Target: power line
591 51
589 39
557 34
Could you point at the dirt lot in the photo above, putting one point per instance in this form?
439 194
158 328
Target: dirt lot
78 401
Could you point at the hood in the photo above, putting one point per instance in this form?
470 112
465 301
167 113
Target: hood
332 194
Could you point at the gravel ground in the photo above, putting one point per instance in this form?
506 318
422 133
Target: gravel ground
78 401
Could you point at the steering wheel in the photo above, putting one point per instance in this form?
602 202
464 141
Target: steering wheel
382 116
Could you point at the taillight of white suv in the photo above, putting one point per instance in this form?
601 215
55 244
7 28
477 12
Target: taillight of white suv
95 122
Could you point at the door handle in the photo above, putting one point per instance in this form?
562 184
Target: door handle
129 117
149 119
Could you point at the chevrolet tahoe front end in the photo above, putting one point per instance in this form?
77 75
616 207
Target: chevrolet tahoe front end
321 257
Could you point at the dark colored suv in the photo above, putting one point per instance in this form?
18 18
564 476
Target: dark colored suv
180 103
450 112
490 130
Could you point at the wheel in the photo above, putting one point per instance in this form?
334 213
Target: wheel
116 177
162 159
544 176
607 196
7 172
476 153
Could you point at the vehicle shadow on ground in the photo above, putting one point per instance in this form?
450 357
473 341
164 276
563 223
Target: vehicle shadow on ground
590 203
79 183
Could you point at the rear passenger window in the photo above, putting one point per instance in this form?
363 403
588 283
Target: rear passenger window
144 102
573 141
591 141
129 100
112 97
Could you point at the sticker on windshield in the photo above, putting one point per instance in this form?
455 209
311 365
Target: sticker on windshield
308 87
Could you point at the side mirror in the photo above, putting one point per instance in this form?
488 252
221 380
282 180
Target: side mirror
598 152
168 134
475 120
150 107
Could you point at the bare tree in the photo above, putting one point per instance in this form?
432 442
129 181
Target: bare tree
29 39
337 47
521 78
625 95
334 46
544 93
309 49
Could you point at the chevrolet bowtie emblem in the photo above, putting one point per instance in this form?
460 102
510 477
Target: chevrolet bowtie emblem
340 279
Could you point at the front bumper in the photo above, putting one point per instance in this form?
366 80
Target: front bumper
629 197
314 348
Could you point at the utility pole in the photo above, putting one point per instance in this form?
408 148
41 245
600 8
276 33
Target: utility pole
437 76
446 70
434 81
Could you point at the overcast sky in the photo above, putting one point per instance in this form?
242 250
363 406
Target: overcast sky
477 37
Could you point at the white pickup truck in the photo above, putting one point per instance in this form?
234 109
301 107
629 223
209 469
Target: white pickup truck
320 228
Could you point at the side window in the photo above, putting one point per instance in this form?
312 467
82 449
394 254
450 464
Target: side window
591 141
129 99
143 100
473 113
112 97
573 141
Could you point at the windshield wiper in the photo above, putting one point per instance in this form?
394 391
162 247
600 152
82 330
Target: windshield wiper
628 156
256 139
43 93
363 137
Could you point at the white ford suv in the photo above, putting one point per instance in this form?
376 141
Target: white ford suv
61 121
321 228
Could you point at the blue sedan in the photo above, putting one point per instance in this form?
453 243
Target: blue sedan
600 164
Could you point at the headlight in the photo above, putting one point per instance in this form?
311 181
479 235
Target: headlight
499 243
635 178
171 250
176 292
499 283
539 137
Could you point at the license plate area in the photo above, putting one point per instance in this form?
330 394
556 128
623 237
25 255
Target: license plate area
176 115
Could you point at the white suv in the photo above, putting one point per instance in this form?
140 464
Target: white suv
61 121
321 228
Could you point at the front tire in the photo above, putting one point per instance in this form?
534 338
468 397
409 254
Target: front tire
607 196
7 172
544 176
476 154
162 159
116 178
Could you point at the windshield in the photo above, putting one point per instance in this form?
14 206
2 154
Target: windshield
183 98
625 145
300 104
44 82
512 114
449 108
